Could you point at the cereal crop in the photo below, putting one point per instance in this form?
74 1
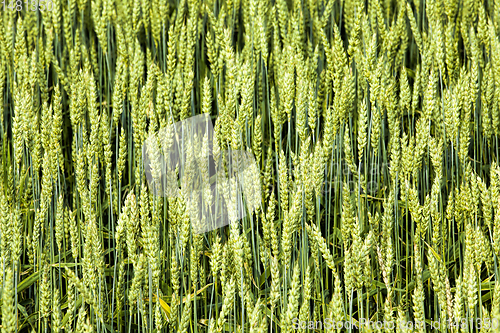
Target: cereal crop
347 159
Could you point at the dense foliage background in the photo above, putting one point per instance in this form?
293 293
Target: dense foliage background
375 126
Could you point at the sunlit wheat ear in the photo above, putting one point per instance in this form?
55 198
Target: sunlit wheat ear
8 293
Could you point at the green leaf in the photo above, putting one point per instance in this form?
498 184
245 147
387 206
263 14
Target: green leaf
26 283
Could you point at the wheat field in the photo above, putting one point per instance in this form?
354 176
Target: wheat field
374 127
